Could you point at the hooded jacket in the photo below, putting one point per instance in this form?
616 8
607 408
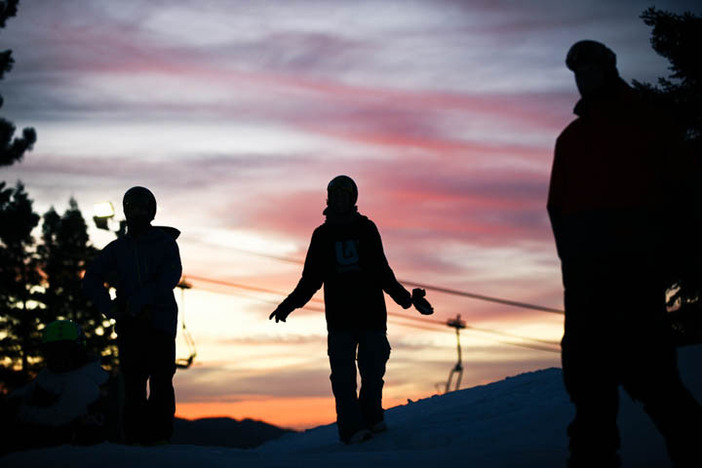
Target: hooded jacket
616 177
144 270
347 257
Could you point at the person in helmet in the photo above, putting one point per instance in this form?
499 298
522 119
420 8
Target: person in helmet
59 405
617 179
346 256
144 267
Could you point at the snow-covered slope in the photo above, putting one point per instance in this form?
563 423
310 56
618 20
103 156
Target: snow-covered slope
516 422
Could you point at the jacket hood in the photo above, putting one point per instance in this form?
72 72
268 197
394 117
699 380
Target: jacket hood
171 231
346 218
155 231
620 92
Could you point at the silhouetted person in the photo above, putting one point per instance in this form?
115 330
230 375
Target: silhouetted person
616 175
61 405
346 255
144 267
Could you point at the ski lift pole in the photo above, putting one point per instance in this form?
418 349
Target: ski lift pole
185 363
457 370
183 285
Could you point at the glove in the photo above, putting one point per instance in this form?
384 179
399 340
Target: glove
281 312
421 304
406 301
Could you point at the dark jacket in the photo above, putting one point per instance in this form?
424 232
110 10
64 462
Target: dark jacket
144 270
617 174
348 258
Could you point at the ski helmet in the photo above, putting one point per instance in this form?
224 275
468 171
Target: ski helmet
591 53
141 196
63 331
346 184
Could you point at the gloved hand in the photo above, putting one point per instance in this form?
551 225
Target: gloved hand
405 301
420 303
281 312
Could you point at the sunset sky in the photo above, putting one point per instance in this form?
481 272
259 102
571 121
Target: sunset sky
237 113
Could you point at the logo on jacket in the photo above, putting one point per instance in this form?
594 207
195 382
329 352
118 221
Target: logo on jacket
347 256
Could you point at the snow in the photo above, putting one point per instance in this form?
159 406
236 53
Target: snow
516 422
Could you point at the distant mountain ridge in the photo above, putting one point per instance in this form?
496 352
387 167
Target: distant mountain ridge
225 432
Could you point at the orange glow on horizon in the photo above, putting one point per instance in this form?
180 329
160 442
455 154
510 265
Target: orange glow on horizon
292 413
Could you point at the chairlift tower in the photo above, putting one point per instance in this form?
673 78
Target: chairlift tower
185 363
457 370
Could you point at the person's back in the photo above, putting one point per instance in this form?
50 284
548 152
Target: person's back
61 404
347 256
56 399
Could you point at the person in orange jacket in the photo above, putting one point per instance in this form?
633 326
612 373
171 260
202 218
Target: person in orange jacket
617 177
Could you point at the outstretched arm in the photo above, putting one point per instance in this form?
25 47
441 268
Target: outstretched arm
310 282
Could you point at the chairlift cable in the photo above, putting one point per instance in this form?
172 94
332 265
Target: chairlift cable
434 322
455 292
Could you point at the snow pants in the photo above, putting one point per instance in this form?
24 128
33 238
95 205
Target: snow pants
616 333
362 410
147 356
